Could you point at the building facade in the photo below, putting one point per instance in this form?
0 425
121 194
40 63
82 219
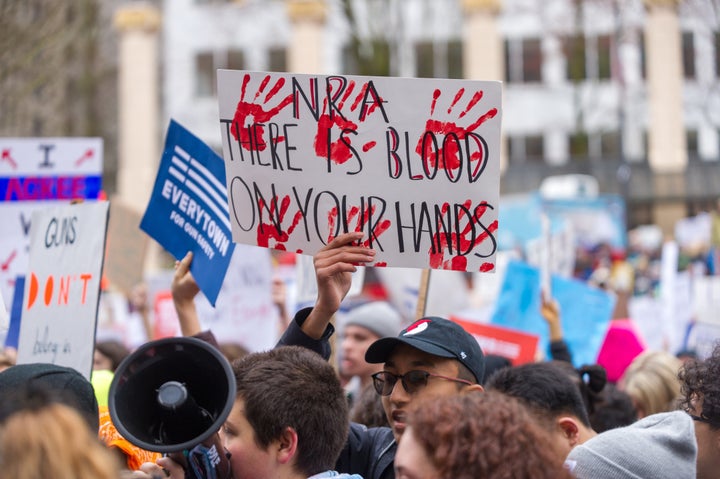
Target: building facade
625 90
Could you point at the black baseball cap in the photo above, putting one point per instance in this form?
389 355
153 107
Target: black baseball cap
437 336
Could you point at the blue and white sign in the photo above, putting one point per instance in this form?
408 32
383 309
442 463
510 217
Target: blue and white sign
585 312
188 209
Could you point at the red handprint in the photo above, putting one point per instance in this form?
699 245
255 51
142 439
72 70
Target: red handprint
249 113
448 155
443 241
340 150
364 216
274 229
6 156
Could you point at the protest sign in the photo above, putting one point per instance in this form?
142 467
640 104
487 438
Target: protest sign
36 172
188 209
13 333
413 163
517 346
125 259
62 288
585 312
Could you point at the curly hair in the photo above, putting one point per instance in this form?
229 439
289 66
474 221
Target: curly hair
700 383
488 434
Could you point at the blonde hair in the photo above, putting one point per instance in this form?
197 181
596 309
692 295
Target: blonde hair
652 382
53 442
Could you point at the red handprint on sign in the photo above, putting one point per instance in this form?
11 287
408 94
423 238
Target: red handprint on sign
273 230
334 135
461 241
250 113
446 154
364 218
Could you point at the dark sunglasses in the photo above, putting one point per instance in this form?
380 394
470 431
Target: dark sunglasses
412 381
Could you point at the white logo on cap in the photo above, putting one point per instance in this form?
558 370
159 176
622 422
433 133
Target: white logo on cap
417 327
463 355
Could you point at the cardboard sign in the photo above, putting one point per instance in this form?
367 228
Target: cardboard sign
413 163
188 209
585 312
62 288
126 247
517 346
35 173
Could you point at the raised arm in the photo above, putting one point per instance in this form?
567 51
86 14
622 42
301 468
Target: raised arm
334 265
184 289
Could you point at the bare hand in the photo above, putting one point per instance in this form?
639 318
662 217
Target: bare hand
334 265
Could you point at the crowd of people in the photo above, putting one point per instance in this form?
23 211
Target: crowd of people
414 402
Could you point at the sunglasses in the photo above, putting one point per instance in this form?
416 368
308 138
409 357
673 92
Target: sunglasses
412 381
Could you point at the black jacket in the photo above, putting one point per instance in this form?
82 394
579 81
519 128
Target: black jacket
368 452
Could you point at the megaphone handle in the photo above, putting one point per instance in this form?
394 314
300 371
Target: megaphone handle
208 460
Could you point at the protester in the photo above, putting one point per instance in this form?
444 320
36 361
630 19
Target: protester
65 383
652 383
660 446
362 326
475 435
41 437
108 355
289 420
701 399
552 397
612 408
432 357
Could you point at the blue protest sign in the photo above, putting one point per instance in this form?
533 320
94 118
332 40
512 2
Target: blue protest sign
11 340
585 312
188 209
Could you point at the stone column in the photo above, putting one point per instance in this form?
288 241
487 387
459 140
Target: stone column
305 52
138 102
483 57
667 152
139 109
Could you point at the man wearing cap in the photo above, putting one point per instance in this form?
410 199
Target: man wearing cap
433 356
362 326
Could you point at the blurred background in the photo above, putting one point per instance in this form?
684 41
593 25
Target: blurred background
611 108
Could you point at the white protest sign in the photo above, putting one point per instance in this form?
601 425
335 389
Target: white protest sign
34 172
62 288
413 163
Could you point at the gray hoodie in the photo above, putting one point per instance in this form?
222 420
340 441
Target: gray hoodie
656 447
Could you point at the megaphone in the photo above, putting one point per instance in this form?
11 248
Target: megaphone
172 394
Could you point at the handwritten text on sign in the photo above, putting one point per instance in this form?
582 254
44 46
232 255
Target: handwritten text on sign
414 163
62 289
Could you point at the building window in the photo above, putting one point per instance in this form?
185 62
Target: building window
691 144
610 144
277 59
207 63
235 60
579 145
688 55
604 57
717 54
522 149
588 58
439 59
523 60
367 58
204 75
576 61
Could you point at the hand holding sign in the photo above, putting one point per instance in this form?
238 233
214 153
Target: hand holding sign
334 265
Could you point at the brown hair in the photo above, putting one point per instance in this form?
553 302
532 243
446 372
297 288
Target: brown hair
484 435
294 387
53 441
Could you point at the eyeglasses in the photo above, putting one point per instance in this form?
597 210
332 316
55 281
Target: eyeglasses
412 381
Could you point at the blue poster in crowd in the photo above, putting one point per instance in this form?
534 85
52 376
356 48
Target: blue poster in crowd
188 209
13 333
585 312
